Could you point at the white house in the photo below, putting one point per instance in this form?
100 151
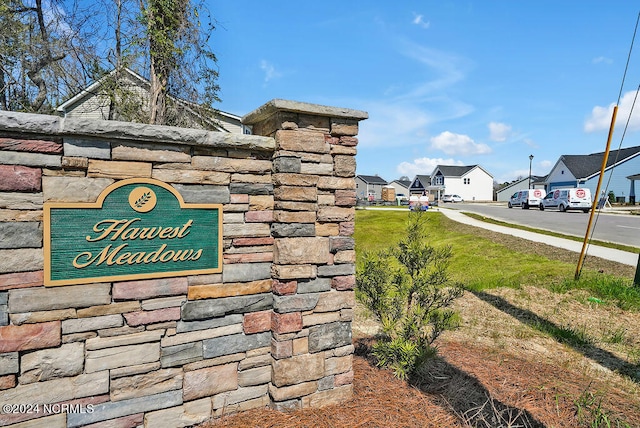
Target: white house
472 183
421 185
504 193
621 172
94 103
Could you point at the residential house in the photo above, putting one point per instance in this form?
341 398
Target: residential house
537 182
421 186
621 172
369 187
472 183
94 102
401 186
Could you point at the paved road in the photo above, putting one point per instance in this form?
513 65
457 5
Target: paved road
609 226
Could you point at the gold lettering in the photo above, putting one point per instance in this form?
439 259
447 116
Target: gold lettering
174 233
120 260
136 258
106 231
123 228
105 254
78 265
131 233
184 232
164 233
153 256
113 254
165 257
197 255
149 233
182 255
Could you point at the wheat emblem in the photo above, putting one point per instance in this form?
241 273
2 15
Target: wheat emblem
142 200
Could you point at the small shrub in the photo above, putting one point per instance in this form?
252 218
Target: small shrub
408 290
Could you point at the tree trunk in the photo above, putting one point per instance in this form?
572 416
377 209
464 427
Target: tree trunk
158 89
3 89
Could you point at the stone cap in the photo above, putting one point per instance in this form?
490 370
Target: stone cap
40 124
275 105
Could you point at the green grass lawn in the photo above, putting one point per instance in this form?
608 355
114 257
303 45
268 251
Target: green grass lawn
483 264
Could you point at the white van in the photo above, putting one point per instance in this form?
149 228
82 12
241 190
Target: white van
526 198
567 199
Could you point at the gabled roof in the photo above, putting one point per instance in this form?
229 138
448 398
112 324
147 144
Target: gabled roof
372 179
539 179
403 183
457 171
94 88
517 184
424 180
586 166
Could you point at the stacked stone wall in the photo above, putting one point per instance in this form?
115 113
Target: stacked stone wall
273 329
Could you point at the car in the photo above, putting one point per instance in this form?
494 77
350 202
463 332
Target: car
452 198
567 199
525 198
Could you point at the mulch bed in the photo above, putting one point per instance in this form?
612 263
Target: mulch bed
466 385
471 384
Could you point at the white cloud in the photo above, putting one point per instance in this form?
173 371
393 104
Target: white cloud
410 109
546 164
404 123
418 19
458 144
602 60
447 68
499 131
270 71
542 167
600 119
423 166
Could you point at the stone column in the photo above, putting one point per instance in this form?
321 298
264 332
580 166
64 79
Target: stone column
313 270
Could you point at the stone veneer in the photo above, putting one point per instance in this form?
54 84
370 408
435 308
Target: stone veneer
273 329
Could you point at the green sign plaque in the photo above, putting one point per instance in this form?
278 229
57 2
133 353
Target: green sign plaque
138 228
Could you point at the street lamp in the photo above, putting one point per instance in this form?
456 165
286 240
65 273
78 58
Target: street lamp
530 160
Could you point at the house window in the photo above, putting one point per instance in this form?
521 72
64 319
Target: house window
466 181
439 181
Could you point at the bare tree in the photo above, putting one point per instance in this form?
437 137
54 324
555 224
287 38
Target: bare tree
42 56
51 51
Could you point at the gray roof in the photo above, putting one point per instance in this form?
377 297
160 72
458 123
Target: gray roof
372 179
454 170
424 180
403 183
583 166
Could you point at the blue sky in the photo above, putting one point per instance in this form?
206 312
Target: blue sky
444 82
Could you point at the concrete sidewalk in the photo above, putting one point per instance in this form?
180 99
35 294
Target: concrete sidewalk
592 250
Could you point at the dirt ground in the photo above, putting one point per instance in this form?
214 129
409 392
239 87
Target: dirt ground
498 369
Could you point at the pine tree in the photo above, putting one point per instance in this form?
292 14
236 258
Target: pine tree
408 290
